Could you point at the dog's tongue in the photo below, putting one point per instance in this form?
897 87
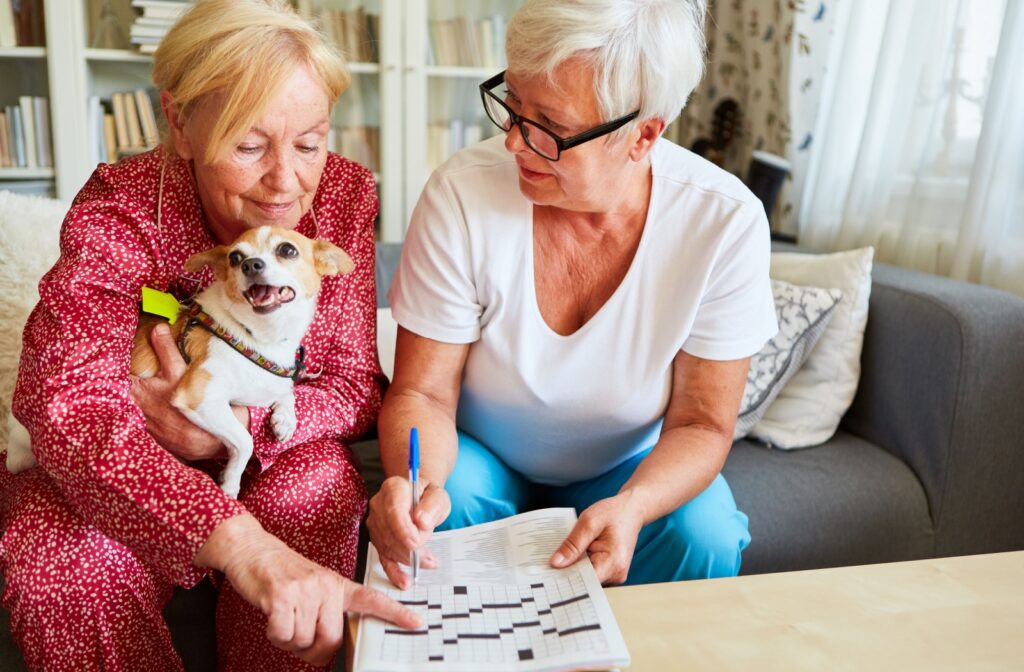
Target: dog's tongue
267 298
264 294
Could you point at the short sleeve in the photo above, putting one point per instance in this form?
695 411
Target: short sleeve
433 293
736 316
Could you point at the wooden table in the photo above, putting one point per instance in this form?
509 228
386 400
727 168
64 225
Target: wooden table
962 613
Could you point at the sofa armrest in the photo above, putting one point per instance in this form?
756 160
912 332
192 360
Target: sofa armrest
941 387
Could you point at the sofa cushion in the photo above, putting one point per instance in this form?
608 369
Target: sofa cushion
29 230
803 314
847 502
808 409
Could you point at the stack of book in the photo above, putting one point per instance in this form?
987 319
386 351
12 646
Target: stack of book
446 138
25 140
359 143
156 19
465 42
21 23
354 31
124 125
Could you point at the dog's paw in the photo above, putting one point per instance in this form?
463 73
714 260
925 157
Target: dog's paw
230 489
283 420
19 447
19 461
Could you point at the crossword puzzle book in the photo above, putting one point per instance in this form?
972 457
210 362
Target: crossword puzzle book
495 604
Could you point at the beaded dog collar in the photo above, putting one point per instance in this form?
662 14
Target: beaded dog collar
197 318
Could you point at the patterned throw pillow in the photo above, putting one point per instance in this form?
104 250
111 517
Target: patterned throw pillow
803 313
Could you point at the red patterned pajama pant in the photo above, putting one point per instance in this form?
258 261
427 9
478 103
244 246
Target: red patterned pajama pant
82 601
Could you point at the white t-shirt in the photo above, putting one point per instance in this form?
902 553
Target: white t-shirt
561 409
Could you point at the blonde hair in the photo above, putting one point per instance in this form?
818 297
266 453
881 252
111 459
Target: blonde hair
647 54
244 50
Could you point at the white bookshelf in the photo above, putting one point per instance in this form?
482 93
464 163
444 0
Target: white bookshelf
22 52
26 173
402 96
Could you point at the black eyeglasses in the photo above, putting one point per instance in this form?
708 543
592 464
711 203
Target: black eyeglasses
536 137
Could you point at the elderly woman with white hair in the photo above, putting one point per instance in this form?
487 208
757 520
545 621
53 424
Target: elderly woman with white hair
578 302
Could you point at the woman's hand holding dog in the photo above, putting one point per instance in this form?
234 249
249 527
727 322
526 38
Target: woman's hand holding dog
396 530
166 424
304 602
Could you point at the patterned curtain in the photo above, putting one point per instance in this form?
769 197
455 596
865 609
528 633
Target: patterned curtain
761 90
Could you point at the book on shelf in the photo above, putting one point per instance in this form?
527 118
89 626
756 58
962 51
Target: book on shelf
29 23
17 137
122 126
44 139
131 115
147 116
353 31
28 128
94 117
8 34
154 22
5 154
358 143
120 122
110 138
21 23
446 138
467 42
162 9
25 128
148 29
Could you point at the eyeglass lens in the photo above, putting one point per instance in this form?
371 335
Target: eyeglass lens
536 137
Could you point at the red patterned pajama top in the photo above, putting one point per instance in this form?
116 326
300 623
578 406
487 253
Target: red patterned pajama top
73 384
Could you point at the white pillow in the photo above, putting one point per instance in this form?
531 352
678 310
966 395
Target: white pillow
803 314
387 332
29 231
808 409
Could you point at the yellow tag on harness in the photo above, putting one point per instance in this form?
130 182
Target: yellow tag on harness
160 303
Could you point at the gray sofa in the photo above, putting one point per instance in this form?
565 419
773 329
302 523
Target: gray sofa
929 460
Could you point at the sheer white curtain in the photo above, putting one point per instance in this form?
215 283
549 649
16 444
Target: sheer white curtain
920 138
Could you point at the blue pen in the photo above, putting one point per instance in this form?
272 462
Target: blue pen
414 477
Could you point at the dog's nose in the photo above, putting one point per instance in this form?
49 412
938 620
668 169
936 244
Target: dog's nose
253 266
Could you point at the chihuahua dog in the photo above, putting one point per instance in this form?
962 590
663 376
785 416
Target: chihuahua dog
258 309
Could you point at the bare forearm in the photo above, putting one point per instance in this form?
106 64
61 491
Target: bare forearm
228 540
683 463
436 427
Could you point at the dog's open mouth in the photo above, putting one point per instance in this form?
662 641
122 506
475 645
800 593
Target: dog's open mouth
267 298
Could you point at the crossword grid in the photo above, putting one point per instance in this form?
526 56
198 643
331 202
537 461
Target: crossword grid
496 623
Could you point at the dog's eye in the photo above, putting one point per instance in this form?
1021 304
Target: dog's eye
287 251
235 258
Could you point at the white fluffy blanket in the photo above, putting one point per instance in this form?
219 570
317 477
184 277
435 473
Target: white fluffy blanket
29 235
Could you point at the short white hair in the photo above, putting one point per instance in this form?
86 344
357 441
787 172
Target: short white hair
646 54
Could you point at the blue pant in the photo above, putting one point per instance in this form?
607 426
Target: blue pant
700 540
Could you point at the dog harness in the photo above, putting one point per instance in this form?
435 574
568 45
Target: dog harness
193 312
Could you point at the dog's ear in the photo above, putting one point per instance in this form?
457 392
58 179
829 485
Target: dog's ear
329 259
215 258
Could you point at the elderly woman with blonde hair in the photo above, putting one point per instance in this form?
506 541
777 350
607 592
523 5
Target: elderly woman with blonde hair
122 507
578 300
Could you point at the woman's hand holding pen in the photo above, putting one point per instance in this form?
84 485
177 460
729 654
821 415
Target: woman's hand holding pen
396 531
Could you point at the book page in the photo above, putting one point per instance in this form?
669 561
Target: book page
495 604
